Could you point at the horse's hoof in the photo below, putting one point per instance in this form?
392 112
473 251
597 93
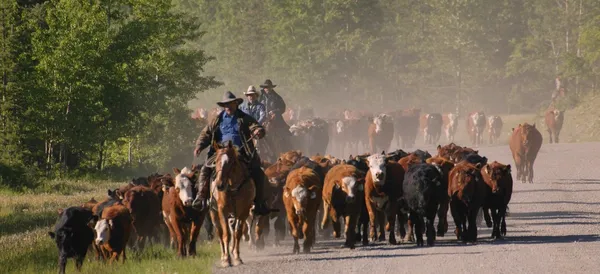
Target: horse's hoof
237 262
225 264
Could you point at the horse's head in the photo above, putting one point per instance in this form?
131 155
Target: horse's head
226 159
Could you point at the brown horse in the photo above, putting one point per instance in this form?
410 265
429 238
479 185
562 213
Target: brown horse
232 197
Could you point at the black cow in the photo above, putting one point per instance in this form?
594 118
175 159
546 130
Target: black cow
474 158
433 129
73 236
424 155
395 155
422 192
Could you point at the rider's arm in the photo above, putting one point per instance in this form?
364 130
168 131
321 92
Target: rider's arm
205 138
262 115
253 125
279 105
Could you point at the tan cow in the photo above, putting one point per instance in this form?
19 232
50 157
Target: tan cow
381 133
554 121
302 197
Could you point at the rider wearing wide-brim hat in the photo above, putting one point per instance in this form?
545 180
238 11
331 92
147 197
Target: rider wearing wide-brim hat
232 124
252 106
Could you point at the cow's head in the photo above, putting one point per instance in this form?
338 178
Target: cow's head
557 114
300 197
351 187
377 167
184 185
103 228
494 174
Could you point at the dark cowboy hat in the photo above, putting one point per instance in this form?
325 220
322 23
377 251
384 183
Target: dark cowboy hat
268 84
229 97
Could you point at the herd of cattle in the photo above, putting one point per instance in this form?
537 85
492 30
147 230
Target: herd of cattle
369 193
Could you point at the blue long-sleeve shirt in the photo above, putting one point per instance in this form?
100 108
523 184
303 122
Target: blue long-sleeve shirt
230 130
256 110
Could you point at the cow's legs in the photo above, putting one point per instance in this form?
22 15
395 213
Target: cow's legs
260 232
349 229
556 136
293 222
335 220
178 230
497 219
530 169
325 220
486 216
372 222
391 223
381 225
62 263
280 227
417 220
472 225
307 230
194 231
503 225
456 216
442 218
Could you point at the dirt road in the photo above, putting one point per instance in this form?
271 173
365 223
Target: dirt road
553 227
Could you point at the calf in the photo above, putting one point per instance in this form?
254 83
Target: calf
476 123
554 120
494 128
73 236
302 198
498 180
112 232
381 133
433 128
422 192
145 209
183 220
449 126
383 188
362 226
466 190
341 199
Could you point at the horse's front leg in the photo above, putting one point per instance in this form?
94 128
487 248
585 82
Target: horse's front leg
237 237
225 238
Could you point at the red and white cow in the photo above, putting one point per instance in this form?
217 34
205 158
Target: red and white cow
476 123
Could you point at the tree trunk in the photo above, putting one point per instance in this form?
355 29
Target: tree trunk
99 164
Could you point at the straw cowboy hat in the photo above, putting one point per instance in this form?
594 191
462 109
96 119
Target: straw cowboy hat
229 97
251 90
268 84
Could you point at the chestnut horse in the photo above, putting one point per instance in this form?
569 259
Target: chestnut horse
232 197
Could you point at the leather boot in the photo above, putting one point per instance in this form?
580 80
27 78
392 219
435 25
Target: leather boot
201 200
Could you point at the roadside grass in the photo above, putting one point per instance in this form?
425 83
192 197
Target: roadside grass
26 219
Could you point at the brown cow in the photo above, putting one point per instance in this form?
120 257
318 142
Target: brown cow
302 198
494 128
525 143
381 133
89 204
184 222
343 183
450 124
454 153
466 190
383 188
145 208
476 123
499 183
554 121
445 166
112 232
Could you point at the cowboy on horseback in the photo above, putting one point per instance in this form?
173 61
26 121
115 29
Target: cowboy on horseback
279 130
253 107
232 124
